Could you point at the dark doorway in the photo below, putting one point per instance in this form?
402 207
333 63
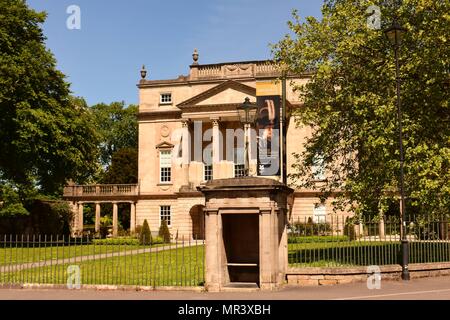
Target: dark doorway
198 222
241 241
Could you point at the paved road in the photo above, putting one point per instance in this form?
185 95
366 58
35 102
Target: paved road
424 289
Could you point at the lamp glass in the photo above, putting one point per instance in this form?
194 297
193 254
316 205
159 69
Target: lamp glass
242 115
252 113
395 34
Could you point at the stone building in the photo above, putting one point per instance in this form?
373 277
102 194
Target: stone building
184 126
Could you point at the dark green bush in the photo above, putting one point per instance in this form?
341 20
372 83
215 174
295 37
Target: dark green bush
349 229
311 229
145 237
116 241
46 217
164 231
317 239
157 240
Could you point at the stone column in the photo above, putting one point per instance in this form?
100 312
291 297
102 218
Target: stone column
266 249
213 259
253 151
133 218
80 217
186 152
97 216
115 219
216 148
282 245
381 228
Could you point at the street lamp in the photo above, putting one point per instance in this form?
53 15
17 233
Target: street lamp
247 116
395 35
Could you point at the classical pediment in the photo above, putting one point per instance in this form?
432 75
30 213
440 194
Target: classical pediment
165 145
227 93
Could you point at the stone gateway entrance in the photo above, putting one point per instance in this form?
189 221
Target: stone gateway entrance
245 233
241 243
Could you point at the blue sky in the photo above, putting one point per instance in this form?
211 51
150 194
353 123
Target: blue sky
102 60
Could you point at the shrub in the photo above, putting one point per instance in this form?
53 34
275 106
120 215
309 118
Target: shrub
105 224
116 241
145 237
311 229
349 229
317 239
157 240
137 231
164 232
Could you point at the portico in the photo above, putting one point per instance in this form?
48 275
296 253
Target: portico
79 196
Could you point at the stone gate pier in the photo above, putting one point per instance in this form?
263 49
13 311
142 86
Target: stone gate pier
246 233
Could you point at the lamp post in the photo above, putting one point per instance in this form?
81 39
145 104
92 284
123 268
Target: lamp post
247 116
395 34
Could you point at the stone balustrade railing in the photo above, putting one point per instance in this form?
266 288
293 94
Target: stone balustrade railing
101 190
235 70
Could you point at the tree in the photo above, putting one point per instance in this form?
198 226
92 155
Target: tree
123 168
350 103
164 232
10 205
118 128
46 136
145 237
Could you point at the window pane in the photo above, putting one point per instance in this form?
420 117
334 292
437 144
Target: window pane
165 159
165 163
239 170
319 214
165 214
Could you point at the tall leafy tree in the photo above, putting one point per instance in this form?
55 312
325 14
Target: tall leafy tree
117 124
123 168
350 103
46 136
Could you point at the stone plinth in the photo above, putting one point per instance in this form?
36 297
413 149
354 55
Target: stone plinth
245 232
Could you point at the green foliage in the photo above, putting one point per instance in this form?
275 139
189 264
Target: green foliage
350 103
310 228
117 241
349 229
105 224
145 236
10 204
43 217
46 136
123 168
118 128
164 232
317 239
157 240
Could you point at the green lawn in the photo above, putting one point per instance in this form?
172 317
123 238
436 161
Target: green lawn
16 255
175 267
364 253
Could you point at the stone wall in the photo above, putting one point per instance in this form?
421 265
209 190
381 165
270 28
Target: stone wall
334 276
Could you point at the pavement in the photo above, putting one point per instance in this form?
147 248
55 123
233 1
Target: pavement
417 289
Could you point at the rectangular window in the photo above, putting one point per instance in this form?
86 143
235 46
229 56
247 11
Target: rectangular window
239 170
207 162
319 214
165 164
165 98
239 162
318 168
208 172
164 214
